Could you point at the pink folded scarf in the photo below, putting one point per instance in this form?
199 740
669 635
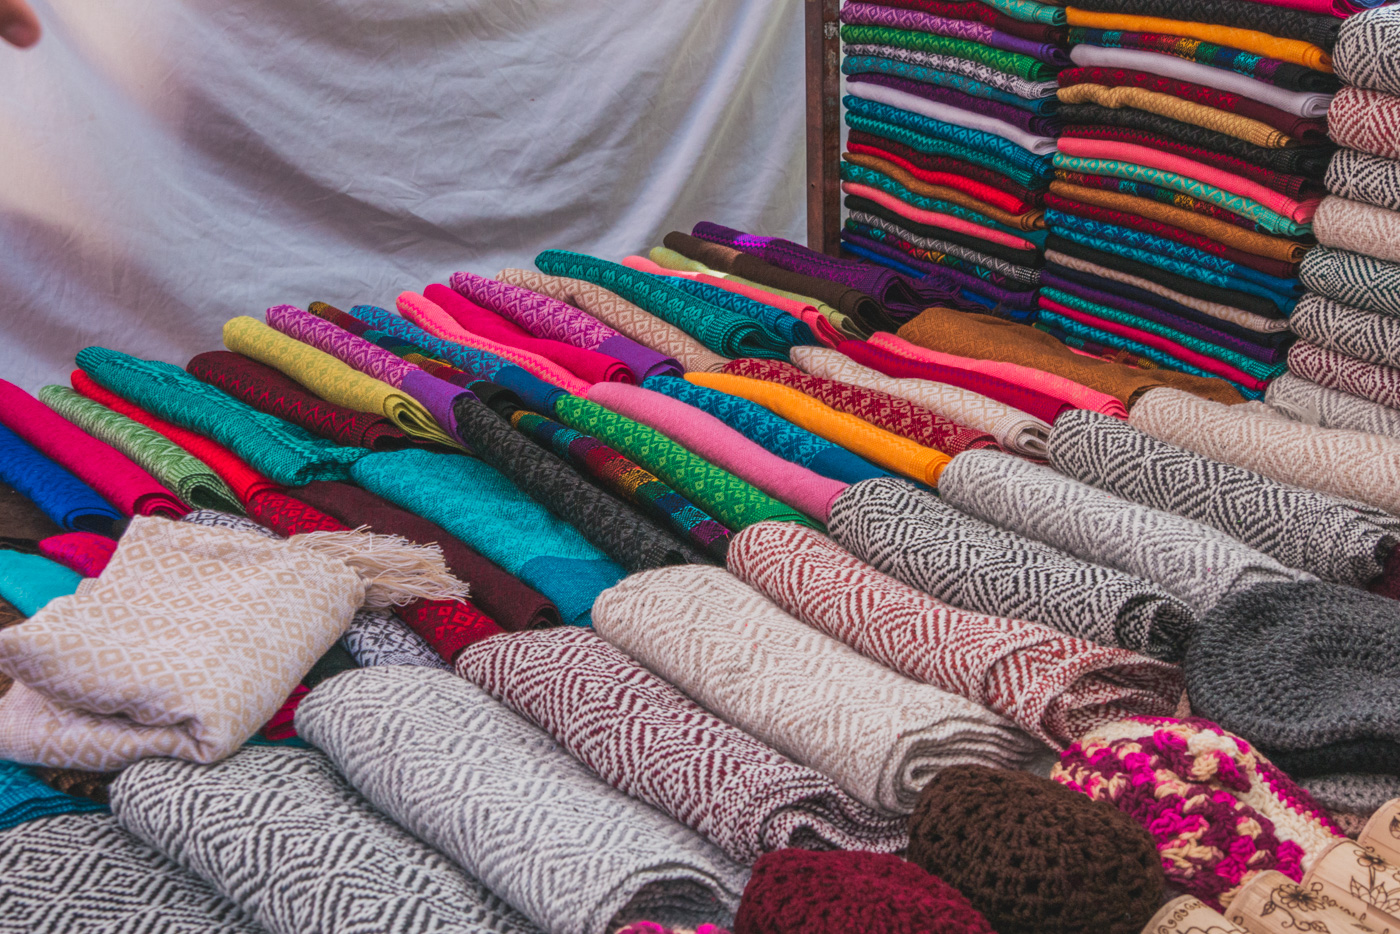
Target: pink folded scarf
84 552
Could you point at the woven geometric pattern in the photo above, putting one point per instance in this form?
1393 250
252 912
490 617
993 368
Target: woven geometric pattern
539 314
1361 228
1368 50
1380 384
64 498
1364 335
358 353
955 65
1305 401
376 638
1363 177
493 792
1353 279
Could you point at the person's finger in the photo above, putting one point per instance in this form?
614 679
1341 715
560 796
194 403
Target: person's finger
18 24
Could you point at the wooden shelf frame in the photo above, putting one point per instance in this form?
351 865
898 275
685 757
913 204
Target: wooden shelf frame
823 32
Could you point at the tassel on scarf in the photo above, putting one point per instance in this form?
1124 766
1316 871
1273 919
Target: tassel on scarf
395 571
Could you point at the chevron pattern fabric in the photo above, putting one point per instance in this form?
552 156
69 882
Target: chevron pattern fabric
375 637
1301 528
1364 177
83 872
1051 685
1198 564
1364 122
649 740
539 314
1380 384
1343 224
1349 464
915 537
351 349
1367 53
279 833
1364 335
493 793
1305 401
880 735
1353 279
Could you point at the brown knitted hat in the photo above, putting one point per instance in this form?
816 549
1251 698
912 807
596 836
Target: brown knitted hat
1035 857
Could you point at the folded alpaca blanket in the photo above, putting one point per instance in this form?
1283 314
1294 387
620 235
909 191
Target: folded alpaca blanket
1365 335
670 752
493 793
83 872
1349 464
1344 542
1367 45
61 496
284 837
1361 176
1052 685
1305 401
1353 278
1195 562
915 537
1359 228
1333 370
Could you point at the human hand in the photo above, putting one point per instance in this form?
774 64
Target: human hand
18 24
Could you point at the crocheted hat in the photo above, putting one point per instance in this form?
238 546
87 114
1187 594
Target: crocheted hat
838 892
1220 812
1309 672
1033 856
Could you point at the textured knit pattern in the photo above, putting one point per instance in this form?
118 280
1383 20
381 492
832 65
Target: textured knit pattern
1220 812
1050 861
968 563
1368 48
1379 384
1348 464
1300 528
25 797
61 496
375 637
538 314
1261 68
1365 121
1023 66
361 355
1305 401
283 836
83 872
1364 335
84 552
878 734
493 793
1351 792
1343 224
646 738
994 78
1195 562
1364 177
1353 279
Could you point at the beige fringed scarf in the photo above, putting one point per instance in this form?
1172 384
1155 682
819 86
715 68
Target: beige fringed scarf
191 639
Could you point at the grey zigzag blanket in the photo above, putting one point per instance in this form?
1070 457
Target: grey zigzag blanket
1353 279
915 537
1197 563
1364 335
84 873
648 739
1301 528
375 637
1368 47
1305 401
880 735
1362 176
287 839
493 792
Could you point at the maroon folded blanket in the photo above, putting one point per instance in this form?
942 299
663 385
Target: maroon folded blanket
861 141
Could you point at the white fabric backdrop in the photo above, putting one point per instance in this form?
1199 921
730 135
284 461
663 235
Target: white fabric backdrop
168 164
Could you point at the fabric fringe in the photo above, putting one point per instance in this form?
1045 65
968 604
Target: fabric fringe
395 571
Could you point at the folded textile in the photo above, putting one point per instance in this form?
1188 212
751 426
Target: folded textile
1364 123
1194 562
880 735
478 505
84 872
1365 335
780 326
1303 529
492 792
1252 27
1379 384
740 794
916 38
1352 792
930 167
1305 401
1259 68
621 314
84 552
286 838
1030 11
927 544
951 90
1305 672
1022 22
1247 129
1359 228
987 659
707 436
1360 176
283 452
958 28
931 214
978 245
109 472
1366 45
1348 464
775 434
955 116
63 497
902 235
25 797
375 637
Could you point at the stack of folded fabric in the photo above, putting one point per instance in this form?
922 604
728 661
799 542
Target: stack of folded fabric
951 108
1187 179
1344 371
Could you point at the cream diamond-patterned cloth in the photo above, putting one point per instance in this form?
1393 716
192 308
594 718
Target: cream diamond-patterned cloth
189 641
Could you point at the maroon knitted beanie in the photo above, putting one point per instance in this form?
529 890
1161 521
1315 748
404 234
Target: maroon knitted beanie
1035 857
842 892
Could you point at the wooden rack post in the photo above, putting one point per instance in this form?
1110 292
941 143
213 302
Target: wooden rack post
823 125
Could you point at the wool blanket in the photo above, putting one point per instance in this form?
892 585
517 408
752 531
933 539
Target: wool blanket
1360 176
84 872
1305 401
615 311
1353 279
986 659
375 637
740 794
880 735
780 326
1379 384
1349 464
705 435
1358 228
477 504
1364 335
84 552
1198 564
1175 109
958 28
972 78
952 115
775 434
893 452
283 452
24 797
960 95
997 272
1367 44
1029 220
171 465
109 472
1303 529
557 320
720 493
493 793
29 582
64 498
1287 36
932 170
901 29
287 839
918 539
1271 71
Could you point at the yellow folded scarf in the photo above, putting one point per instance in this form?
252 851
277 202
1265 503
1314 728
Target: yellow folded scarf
331 379
876 445
1221 121
1261 43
